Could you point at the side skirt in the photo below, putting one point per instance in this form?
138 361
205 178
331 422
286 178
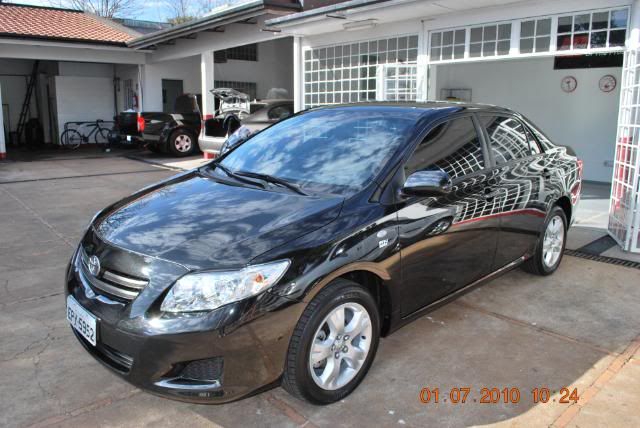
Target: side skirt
456 294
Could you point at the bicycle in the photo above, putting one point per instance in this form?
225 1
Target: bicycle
71 138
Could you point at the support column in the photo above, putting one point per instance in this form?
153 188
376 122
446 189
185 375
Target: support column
298 78
624 205
3 143
140 87
207 83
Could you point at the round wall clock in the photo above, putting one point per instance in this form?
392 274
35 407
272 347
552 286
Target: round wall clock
607 83
569 84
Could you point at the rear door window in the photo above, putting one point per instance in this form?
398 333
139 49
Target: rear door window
453 147
507 137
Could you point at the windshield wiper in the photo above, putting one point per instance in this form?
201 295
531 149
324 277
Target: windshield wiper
271 179
236 176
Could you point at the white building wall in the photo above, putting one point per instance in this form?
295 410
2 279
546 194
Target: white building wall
274 68
584 119
186 69
85 69
14 75
81 98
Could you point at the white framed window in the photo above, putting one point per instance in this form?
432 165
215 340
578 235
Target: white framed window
535 35
399 82
348 73
490 40
449 44
592 30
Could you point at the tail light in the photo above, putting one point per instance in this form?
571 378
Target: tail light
577 188
140 123
580 168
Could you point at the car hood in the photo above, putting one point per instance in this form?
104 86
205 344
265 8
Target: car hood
201 223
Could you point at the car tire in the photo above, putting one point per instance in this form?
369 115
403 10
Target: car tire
319 329
550 246
182 143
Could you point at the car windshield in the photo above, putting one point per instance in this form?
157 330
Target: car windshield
336 151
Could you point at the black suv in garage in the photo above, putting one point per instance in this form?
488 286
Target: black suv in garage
286 259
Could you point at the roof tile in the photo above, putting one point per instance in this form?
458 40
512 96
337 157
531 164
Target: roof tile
26 21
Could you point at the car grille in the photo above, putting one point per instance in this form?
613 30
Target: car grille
111 283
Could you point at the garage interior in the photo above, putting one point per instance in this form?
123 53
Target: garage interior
584 119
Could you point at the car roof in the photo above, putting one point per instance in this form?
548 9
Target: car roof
428 107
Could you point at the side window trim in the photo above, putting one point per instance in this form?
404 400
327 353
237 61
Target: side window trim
489 161
432 125
534 136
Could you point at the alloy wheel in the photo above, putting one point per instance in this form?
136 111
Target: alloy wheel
553 241
340 346
183 143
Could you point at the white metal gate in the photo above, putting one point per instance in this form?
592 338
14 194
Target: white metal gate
624 209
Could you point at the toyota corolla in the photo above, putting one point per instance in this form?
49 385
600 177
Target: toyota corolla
285 260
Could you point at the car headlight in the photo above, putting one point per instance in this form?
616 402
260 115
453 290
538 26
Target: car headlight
209 290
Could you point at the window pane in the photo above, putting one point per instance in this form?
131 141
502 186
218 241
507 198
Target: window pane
526 45
436 39
489 49
543 43
503 47
452 147
599 39
489 33
475 49
580 41
458 52
564 42
543 27
447 52
460 36
413 42
599 20
619 18
508 139
564 24
617 38
581 22
476 34
527 28
447 38
504 31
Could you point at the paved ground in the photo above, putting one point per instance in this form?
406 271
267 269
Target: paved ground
579 328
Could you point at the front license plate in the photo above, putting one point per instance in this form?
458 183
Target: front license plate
129 138
82 320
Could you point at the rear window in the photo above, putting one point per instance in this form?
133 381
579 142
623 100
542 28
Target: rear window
186 104
254 107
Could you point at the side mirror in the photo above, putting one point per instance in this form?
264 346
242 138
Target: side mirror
427 183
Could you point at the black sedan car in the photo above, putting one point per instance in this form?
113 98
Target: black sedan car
285 260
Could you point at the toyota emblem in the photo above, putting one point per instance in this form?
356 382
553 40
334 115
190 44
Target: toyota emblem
94 265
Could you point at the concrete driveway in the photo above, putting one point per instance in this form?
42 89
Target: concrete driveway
579 329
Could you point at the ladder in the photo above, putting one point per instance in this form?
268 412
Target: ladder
26 105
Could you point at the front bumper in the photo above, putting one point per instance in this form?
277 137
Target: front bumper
213 357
